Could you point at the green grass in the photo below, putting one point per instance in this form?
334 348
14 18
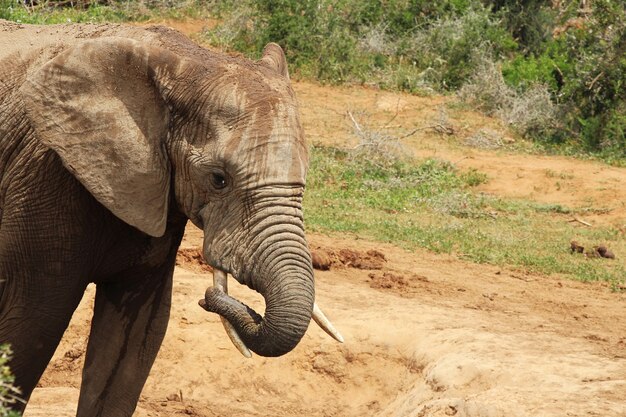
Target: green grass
432 205
94 12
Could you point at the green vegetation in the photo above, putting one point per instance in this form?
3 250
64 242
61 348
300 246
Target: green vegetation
98 11
396 44
8 393
584 67
431 204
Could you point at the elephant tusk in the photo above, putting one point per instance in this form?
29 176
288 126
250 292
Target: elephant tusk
220 280
325 324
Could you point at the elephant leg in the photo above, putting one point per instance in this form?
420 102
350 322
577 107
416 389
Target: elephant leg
33 328
128 326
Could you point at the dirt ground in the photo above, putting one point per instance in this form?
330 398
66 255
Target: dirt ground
426 335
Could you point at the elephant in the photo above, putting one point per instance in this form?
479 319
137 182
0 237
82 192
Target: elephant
112 137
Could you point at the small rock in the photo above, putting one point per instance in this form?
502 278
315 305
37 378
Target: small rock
451 410
490 296
576 248
320 260
173 397
73 354
605 252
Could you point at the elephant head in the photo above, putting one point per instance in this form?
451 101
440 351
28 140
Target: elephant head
148 131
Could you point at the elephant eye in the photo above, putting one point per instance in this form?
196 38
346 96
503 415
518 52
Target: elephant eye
218 180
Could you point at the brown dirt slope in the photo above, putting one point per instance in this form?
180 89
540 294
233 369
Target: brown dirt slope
426 335
545 179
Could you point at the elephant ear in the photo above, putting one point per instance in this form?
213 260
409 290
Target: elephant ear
99 107
274 58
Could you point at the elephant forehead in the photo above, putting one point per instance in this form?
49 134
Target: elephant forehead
271 147
236 89
283 162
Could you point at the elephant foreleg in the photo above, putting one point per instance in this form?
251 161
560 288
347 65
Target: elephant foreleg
33 326
129 323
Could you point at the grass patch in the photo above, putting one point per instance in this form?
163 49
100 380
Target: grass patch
431 204
92 11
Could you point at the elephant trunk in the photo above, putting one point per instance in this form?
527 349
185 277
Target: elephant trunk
277 264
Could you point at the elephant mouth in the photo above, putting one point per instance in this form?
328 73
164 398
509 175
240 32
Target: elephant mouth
220 290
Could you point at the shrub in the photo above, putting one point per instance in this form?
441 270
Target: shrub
529 111
530 22
449 45
594 90
585 69
8 393
399 44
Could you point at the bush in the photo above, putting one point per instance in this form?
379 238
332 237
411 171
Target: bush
594 90
529 111
314 37
585 68
530 22
448 46
8 393
398 44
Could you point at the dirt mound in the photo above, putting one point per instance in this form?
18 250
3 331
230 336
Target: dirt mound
191 259
403 285
324 258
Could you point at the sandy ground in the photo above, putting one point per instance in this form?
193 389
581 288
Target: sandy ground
426 335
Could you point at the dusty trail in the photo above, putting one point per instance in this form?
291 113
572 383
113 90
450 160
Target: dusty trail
426 335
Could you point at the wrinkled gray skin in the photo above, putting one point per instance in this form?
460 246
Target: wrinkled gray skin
111 137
